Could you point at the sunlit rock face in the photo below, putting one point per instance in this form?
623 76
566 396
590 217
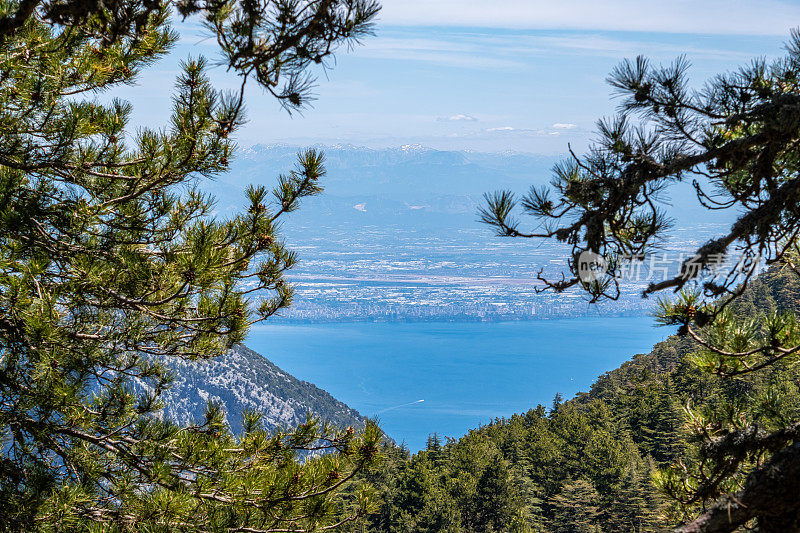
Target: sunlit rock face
243 379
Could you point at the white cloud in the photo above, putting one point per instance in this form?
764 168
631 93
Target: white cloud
458 118
761 17
463 52
601 45
564 126
500 129
493 50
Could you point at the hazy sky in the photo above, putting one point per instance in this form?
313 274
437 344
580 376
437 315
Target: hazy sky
523 75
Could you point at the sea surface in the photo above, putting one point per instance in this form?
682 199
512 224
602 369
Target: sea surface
448 377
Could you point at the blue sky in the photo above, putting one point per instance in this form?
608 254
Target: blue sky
522 75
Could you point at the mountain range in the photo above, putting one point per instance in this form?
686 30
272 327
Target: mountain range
409 185
242 379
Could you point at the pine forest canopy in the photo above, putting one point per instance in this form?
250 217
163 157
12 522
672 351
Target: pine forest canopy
740 133
111 260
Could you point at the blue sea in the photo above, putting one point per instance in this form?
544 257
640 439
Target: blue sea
448 377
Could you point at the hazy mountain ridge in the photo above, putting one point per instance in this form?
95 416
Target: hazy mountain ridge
242 379
399 174
409 181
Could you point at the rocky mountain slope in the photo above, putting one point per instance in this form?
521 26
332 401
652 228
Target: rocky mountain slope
243 379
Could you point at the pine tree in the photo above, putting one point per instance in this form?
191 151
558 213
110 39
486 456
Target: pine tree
740 134
422 503
558 400
111 260
494 505
663 432
576 508
635 507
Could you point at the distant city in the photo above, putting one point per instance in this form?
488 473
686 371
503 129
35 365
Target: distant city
468 275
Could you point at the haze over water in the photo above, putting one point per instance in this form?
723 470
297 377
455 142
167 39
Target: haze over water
467 373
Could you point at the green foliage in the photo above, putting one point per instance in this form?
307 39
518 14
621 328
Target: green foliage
575 508
728 426
112 261
575 469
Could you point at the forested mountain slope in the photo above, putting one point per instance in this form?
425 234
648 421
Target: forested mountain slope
588 464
